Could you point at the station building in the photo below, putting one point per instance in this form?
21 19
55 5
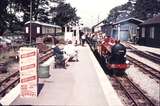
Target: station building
150 32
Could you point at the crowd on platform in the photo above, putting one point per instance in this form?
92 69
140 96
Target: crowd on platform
70 51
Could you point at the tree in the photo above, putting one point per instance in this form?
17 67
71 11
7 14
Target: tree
142 9
121 12
65 14
114 13
39 8
40 12
145 9
3 16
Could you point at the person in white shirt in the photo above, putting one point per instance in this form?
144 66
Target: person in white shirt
71 51
83 39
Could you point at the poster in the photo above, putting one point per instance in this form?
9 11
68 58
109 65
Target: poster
28 71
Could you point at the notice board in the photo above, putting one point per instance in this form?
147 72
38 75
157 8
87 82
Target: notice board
28 71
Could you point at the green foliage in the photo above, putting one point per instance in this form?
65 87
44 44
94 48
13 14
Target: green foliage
142 9
112 17
145 9
38 9
40 12
8 19
121 12
3 16
65 14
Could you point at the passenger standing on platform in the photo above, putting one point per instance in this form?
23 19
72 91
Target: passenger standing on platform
83 39
94 40
80 37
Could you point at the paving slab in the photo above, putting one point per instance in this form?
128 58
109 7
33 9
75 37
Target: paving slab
77 85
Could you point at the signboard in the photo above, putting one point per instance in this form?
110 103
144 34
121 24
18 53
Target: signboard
28 71
68 36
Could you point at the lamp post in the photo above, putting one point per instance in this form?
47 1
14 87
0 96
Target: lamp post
30 37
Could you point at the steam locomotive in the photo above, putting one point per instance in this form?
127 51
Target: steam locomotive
112 53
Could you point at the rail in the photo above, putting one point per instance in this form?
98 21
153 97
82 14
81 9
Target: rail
146 68
148 55
13 79
133 92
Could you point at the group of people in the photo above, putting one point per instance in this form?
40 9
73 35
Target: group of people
69 52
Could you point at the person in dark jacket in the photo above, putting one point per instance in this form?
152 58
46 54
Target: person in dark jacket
80 37
57 52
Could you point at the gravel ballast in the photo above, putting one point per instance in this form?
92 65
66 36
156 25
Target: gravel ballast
147 84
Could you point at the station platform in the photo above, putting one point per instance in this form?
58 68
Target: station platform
82 83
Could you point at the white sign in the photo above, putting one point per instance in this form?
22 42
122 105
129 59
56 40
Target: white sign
68 36
28 71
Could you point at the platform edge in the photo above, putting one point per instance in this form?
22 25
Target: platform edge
11 96
110 94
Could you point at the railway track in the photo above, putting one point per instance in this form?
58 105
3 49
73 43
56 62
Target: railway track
134 95
130 93
145 68
154 54
148 55
12 79
9 82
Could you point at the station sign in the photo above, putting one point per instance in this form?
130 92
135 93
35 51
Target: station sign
28 71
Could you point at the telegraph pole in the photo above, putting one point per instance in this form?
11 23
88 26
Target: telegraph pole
30 37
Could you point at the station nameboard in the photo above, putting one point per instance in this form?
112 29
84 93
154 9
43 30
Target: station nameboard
28 71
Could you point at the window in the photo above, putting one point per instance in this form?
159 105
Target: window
143 32
27 30
151 35
43 30
38 30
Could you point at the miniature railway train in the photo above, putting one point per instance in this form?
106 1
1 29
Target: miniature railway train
112 53
39 29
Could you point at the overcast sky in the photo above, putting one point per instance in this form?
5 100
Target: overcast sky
90 10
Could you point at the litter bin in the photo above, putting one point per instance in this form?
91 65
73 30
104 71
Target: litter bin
43 71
